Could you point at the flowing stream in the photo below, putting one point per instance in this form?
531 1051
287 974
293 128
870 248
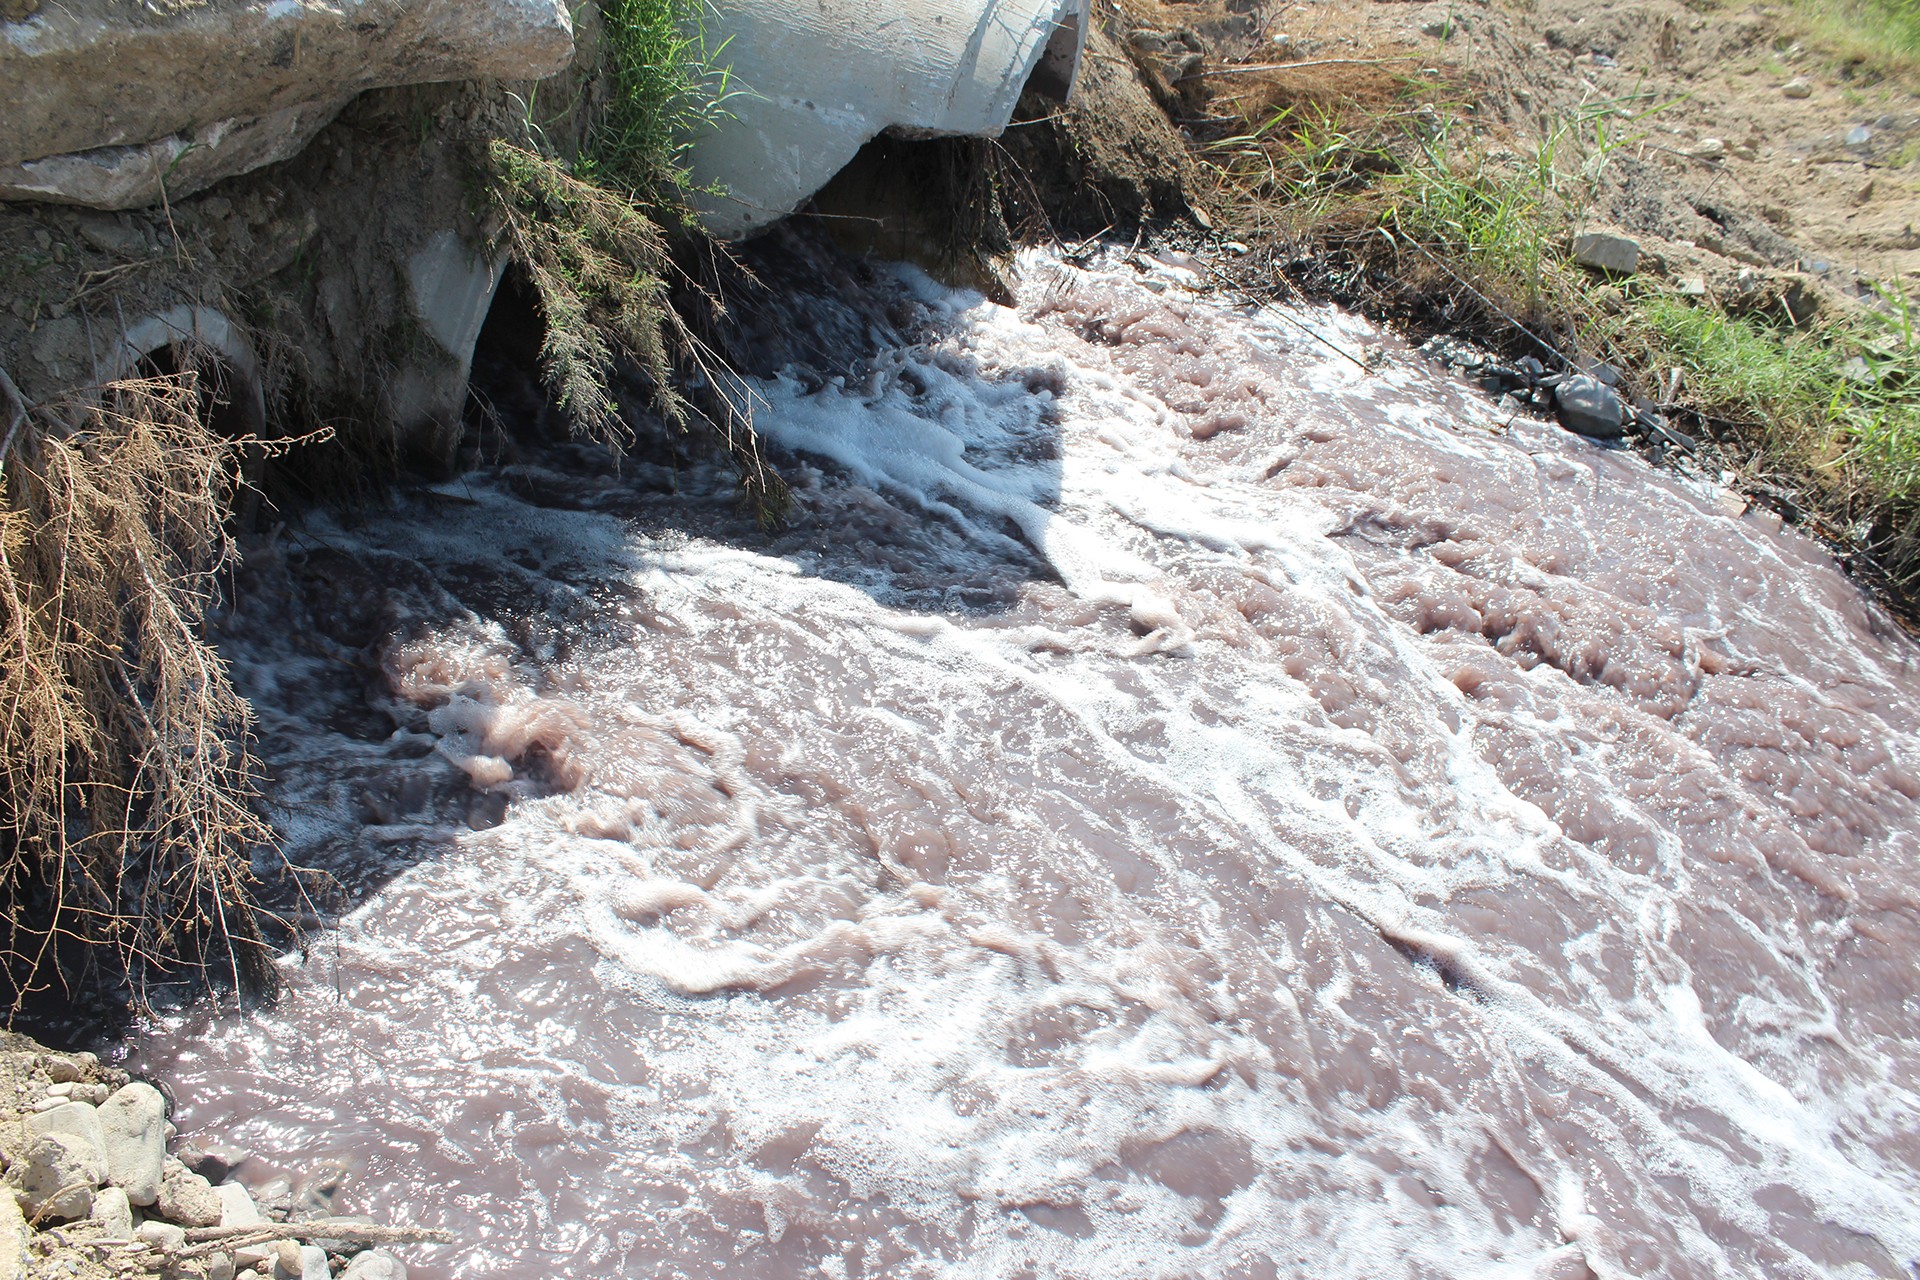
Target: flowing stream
1195 791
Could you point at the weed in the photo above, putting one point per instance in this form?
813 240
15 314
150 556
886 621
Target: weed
664 86
590 236
126 832
1879 36
1406 215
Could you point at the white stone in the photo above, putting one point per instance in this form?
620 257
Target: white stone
163 1234
13 1238
113 1212
312 1266
1798 87
374 1264
237 1208
820 79
133 1126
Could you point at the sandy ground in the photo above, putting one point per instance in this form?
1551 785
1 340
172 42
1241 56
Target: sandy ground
1734 168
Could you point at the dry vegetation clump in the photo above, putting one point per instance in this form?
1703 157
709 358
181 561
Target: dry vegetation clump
126 829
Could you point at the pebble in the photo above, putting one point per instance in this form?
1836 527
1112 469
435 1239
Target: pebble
61 1069
163 1234
219 1267
64 1089
237 1208
113 1213
1711 149
1798 87
1859 136
374 1264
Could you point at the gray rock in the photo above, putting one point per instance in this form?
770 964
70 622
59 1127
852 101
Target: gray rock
1798 87
1605 251
311 1265
236 1206
1711 149
60 1069
163 1234
1589 407
75 1118
113 1213
219 1267
374 1264
133 1122
56 1176
188 1199
1859 136
215 1162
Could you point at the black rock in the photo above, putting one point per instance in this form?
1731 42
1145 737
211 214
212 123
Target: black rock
1590 408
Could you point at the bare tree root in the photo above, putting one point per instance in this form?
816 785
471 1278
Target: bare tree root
126 826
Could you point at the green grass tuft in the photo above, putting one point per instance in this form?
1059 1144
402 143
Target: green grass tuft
664 86
1882 35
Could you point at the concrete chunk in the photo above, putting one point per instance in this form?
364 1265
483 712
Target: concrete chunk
1605 251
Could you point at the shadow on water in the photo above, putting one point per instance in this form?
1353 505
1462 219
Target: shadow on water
357 784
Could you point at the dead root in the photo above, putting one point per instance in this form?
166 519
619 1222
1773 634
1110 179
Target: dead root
126 825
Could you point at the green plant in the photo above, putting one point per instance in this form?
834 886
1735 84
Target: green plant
595 261
664 86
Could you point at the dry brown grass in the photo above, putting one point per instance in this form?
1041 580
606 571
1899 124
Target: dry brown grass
126 829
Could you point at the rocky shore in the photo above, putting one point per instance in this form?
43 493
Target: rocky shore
99 1184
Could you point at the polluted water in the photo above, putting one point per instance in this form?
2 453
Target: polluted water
1191 790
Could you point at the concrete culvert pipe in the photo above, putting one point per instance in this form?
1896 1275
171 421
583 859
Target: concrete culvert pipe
817 81
155 344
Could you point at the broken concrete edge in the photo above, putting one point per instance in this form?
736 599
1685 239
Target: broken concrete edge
287 68
168 168
809 98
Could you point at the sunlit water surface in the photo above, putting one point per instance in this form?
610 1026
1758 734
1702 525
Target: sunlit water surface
1174 803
